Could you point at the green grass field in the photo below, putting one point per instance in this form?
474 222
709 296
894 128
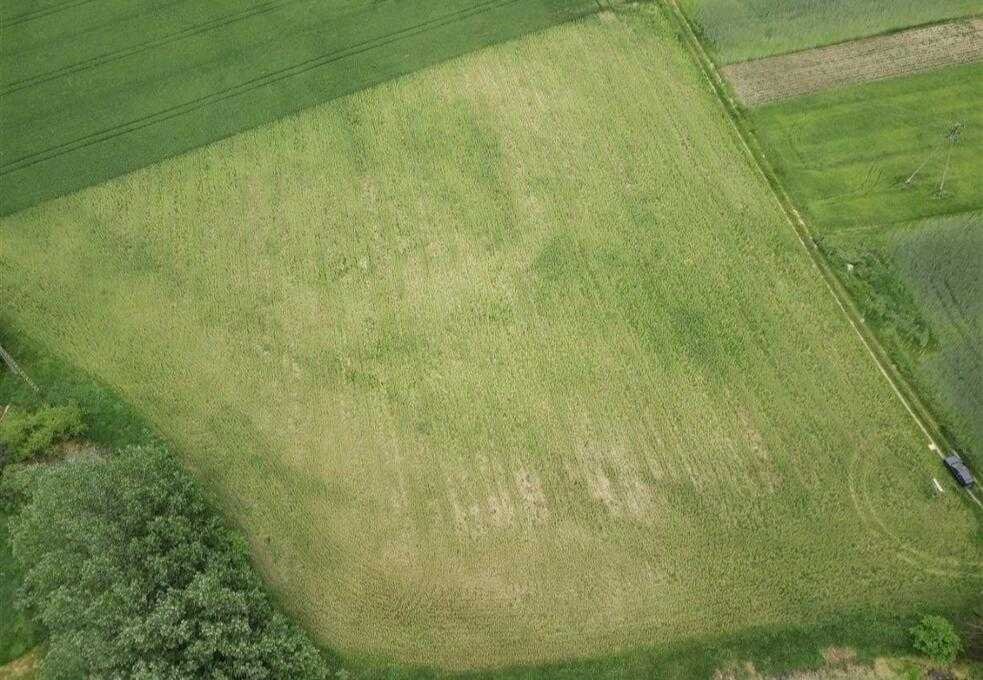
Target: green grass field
933 272
845 156
512 360
737 30
89 91
941 260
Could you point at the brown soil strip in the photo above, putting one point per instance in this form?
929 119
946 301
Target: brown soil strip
913 51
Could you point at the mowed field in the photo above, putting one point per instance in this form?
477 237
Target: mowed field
511 360
878 153
738 30
90 90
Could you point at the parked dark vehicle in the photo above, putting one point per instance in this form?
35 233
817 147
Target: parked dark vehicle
958 468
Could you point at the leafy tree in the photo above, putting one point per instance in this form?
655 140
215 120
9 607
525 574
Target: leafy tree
937 639
134 576
25 434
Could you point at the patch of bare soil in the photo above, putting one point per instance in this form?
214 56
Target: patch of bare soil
916 50
23 668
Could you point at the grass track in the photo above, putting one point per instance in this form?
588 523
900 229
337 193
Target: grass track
738 30
504 363
88 92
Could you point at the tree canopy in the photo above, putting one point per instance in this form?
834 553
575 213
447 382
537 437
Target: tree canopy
135 576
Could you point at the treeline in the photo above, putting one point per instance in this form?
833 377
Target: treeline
129 569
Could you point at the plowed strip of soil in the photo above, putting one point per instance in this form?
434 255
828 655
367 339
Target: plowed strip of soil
913 51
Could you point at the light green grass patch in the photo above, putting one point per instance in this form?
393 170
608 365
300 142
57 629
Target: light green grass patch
880 153
510 361
738 30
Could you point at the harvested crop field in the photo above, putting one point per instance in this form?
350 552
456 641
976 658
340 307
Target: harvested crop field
509 361
913 51
89 91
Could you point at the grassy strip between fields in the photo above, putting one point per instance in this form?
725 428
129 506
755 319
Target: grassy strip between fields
921 288
939 440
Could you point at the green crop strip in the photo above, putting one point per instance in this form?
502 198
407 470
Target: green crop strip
89 92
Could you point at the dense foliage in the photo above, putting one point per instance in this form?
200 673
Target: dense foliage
18 634
25 434
886 303
936 638
135 576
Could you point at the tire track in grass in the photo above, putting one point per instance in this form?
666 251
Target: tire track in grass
56 42
110 57
247 86
858 481
41 13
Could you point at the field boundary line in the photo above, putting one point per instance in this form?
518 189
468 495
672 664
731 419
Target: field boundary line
243 87
919 412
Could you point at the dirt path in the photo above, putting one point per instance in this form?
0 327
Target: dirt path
915 50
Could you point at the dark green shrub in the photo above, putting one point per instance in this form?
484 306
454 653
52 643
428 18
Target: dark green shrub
135 576
937 639
25 434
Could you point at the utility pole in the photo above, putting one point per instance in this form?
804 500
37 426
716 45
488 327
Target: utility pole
15 369
951 139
